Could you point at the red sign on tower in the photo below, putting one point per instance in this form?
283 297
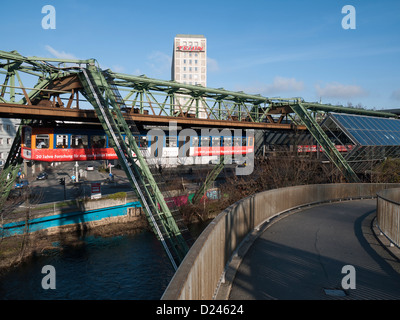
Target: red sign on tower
190 48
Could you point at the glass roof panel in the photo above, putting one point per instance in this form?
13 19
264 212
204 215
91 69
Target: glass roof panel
371 130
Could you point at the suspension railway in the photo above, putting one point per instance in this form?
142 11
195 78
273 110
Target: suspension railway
41 91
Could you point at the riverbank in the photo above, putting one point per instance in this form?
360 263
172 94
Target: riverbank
54 227
18 249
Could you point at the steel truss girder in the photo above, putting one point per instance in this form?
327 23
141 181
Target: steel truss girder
219 104
234 104
253 108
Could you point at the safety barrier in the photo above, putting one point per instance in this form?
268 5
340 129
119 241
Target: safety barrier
388 214
200 273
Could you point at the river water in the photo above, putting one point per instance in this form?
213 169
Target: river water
129 267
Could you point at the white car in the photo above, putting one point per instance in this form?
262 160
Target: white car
89 168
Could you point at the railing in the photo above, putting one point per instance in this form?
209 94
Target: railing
200 273
388 214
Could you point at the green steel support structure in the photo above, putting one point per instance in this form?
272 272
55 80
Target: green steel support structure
13 163
209 180
108 109
11 168
103 89
330 150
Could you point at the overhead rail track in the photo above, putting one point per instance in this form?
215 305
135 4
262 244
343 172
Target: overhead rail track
77 90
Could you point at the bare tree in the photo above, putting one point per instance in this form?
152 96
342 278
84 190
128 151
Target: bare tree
387 172
9 212
282 170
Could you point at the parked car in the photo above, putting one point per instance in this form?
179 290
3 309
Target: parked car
42 176
90 168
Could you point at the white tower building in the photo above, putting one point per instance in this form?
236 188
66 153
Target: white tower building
189 65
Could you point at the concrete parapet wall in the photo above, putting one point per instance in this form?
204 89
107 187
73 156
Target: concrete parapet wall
388 214
199 275
87 205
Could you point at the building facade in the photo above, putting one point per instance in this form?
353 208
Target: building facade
8 130
189 66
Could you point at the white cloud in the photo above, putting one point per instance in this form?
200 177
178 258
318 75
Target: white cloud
279 85
60 54
137 72
396 95
159 62
340 91
118 68
212 65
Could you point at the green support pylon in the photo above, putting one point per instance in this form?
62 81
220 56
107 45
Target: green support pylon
13 163
12 166
104 100
331 152
209 180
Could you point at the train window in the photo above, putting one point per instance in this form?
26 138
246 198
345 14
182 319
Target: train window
236 142
42 141
244 141
171 141
216 141
195 141
126 140
227 142
79 141
98 141
205 141
143 142
137 139
250 141
61 141
27 137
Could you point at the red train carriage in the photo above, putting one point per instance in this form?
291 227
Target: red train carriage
57 145
80 144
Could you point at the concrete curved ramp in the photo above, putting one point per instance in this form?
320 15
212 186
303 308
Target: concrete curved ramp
302 255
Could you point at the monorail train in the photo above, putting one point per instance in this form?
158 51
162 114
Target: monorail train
314 148
80 144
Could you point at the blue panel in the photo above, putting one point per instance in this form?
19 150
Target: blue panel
67 219
371 131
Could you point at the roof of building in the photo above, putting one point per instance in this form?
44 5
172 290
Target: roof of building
371 131
189 36
373 138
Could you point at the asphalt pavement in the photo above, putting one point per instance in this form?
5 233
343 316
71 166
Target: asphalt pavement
50 189
308 255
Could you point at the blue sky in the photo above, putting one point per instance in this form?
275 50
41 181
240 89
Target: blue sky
284 48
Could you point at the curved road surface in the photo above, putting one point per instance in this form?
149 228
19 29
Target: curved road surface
302 256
